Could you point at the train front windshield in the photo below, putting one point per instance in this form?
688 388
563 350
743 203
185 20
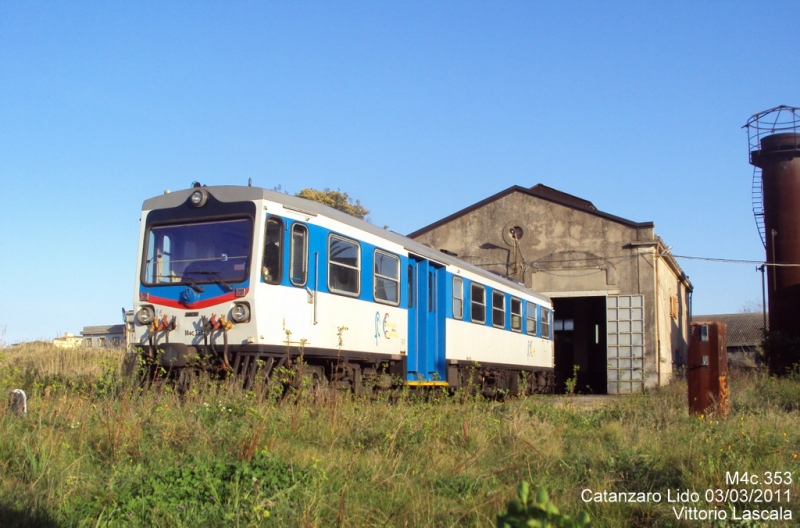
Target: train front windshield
198 252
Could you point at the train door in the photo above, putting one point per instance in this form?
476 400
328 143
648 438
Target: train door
426 322
299 310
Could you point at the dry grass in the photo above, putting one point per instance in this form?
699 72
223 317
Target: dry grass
46 360
90 439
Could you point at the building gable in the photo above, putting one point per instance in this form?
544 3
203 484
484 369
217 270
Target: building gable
541 192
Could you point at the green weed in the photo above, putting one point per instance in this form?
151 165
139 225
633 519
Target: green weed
96 448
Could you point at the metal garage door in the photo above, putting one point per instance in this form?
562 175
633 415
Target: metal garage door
625 353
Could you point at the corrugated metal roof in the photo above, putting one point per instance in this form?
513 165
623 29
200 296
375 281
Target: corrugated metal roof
743 329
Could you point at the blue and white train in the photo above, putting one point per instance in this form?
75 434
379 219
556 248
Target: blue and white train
243 281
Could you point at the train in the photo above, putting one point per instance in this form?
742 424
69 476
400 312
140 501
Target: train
248 282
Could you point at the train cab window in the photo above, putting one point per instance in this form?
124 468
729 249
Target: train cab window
498 309
298 255
273 251
159 268
458 298
477 303
516 314
344 266
545 323
198 253
530 319
387 278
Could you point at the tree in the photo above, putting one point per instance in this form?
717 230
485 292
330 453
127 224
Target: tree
751 306
336 199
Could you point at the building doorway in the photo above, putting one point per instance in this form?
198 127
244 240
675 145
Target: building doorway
579 326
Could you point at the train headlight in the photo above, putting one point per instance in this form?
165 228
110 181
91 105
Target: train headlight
240 313
145 315
199 197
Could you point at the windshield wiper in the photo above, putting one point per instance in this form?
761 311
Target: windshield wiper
196 287
216 276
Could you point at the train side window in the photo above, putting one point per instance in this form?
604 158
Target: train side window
530 318
344 266
477 303
387 278
410 286
516 314
271 270
545 323
498 309
431 291
298 255
458 297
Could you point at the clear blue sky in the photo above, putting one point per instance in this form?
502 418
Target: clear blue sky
416 108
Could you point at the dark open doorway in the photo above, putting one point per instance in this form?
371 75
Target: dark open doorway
580 339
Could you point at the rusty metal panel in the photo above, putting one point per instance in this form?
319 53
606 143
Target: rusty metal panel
707 368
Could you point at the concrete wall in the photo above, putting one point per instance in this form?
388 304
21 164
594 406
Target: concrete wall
673 318
572 252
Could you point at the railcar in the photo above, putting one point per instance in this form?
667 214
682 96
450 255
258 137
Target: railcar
247 282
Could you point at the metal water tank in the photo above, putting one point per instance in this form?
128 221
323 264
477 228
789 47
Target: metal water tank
774 141
779 161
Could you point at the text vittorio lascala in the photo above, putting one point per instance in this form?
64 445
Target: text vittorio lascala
768 502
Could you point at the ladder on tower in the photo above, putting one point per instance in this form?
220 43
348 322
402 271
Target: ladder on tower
757 199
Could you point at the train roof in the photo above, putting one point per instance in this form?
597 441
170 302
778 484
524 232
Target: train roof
235 193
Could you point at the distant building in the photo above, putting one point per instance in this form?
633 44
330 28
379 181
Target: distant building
68 340
109 336
105 336
622 303
744 333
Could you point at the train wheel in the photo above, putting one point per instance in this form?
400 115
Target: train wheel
186 380
309 377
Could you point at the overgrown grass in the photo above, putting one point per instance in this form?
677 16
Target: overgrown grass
96 450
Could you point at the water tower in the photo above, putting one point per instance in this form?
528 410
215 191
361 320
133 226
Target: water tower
774 142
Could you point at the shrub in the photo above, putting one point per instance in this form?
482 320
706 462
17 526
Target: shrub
781 353
539 512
